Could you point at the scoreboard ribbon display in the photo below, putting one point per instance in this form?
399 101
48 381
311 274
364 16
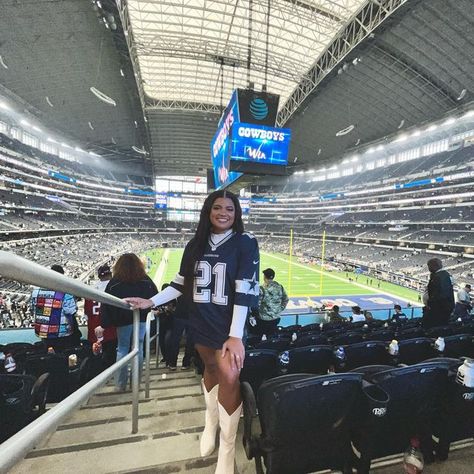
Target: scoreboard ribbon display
260 144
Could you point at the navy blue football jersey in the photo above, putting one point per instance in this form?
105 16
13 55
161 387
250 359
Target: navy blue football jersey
226 274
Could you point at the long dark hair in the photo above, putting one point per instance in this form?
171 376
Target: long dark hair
199 241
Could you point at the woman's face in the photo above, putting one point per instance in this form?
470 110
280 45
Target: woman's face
222 215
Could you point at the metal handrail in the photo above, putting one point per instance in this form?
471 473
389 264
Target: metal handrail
148 339
22 270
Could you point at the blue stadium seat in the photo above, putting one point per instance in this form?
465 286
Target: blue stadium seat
308 359
310 339
362 354
259 365
416 396
304 423
413 351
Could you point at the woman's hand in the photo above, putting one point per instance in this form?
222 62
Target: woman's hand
236 351
139 303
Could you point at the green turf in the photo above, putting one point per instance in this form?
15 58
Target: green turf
306 279
155 256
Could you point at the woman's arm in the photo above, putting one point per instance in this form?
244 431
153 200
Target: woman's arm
168 294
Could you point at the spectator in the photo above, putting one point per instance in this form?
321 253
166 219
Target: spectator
165 313
463 305
398 315
219 279
55 316
94 329
129 278
179 326
272 301
334 316
357 315
438 296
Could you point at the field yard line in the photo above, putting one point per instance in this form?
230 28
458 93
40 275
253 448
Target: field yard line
414 303
160 271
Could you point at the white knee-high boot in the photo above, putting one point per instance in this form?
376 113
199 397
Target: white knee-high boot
229 425
208 437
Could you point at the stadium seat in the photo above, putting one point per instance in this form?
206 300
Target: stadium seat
275 344
381 335
289 330
439 331
459 345
304 423
22 399
362 354
416 396
259 365
57 366
315 327
308 359
345 339
412 351
410 333
310 339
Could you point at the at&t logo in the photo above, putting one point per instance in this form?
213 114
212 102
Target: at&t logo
258 109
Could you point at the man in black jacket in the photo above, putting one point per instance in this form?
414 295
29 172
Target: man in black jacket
438 296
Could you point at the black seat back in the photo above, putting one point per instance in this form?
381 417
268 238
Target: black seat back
275 344
308 359
16 403
413 351
305 422
417 394
364 353
310 340
57 367
259 365
459 345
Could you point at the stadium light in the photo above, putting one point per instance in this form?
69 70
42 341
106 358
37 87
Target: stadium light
431 128
416 133
25 123
37 129
401 138
371 150
355 158
52 140
468 114
379 148
4 106
449 121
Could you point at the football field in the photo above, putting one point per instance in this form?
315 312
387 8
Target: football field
308 286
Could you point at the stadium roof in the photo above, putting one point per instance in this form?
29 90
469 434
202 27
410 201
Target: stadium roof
348 71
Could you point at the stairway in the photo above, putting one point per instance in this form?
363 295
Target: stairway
97 438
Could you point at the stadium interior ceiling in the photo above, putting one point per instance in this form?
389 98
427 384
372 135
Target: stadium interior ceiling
348 72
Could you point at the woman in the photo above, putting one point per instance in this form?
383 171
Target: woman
219 277
129 278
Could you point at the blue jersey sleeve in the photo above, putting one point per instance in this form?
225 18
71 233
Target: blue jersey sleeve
246 284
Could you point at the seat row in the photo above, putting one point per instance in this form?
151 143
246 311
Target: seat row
301 423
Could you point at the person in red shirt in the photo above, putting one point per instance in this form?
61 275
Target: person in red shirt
94 329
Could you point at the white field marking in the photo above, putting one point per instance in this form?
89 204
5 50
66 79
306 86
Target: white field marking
414 303
160 271
297 278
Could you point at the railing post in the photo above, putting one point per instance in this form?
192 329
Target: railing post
157 342
150 317
135 370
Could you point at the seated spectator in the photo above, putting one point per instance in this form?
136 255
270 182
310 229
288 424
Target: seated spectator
334 316
357 315
55 316
463 305
398 315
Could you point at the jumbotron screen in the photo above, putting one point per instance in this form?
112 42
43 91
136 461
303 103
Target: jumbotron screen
260 144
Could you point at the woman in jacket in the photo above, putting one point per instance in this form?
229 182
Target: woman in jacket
129 278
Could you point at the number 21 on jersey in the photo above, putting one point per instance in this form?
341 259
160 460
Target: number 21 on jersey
202 281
